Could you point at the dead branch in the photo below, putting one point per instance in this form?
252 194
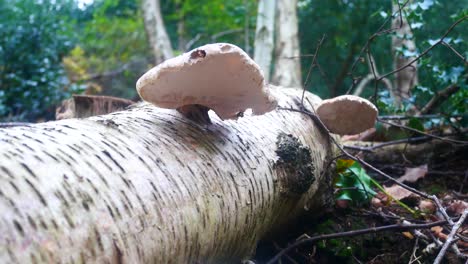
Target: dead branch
427 50
398 117
323 128
455 51
423 133
312 65
450 238
380 31
371 76
439 98
395 227
191 42
215 37
388 143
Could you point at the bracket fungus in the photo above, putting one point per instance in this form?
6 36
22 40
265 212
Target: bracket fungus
347 114
219 76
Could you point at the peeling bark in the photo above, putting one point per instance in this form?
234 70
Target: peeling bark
287 70
147 185
156 32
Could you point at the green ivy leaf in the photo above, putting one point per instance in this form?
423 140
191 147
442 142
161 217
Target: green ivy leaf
416 124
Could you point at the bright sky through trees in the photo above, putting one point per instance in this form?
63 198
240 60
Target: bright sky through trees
83 3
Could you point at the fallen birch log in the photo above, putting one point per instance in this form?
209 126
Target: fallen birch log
147 185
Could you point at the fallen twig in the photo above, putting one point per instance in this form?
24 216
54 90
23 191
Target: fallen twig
323 128
395 227
450 237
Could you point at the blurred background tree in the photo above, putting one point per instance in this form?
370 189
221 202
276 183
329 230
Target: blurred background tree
34 36
50 49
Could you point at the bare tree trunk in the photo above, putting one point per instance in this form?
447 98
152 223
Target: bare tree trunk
147 185
264 36
181 34
287 70
407 78
181 31
155 30
246 28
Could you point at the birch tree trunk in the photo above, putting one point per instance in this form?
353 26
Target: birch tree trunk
264 36
287 70
147 185
156 31
407 78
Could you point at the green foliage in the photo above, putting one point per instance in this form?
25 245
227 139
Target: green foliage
111 39
441 67
347 26
34 37
353 182
207 18
37 38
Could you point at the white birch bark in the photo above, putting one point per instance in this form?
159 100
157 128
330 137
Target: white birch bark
287 70
403 38
264 36
147 185
156 31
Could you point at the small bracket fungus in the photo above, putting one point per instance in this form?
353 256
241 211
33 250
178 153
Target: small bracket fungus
220 77
347 114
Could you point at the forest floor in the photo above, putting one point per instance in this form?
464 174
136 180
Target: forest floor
445 177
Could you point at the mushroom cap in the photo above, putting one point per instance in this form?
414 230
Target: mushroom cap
347 114
220 76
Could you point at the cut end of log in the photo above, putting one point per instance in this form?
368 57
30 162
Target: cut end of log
220 76
347 114
82 106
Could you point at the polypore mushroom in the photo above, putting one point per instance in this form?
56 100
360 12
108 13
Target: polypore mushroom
219 76
347 114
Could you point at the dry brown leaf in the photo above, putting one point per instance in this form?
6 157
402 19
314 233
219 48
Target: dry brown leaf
398 192
408 235
427 206
376 202
457 207
437 230
414 174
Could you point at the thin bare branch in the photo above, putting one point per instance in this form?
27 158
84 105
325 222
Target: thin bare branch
191 42
398 117
427 50
439 98
215 37
423 133
389 143
455 51
311 67
379 32
395 227
323 128
450 237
